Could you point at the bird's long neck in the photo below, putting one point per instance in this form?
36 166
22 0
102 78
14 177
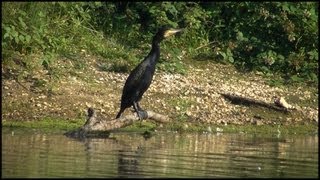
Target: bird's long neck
155 52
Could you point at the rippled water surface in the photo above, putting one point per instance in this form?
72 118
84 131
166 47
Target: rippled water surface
35 154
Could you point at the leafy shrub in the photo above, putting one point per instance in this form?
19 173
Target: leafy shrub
271 37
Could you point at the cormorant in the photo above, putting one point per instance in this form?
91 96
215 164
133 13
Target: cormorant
140 77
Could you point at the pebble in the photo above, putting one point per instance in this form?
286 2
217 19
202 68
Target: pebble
219 129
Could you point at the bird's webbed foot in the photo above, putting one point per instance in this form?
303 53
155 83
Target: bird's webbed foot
142 114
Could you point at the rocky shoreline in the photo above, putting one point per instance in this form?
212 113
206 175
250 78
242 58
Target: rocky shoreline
193 97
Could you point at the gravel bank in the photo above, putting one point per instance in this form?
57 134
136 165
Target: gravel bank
193 97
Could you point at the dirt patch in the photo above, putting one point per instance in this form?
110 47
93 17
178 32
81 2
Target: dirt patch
194 97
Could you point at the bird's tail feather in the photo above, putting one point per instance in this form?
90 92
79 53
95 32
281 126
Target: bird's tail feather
119 113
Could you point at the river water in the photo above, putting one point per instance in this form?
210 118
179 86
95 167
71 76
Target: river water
36 154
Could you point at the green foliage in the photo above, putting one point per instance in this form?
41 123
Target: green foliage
51 28
271 37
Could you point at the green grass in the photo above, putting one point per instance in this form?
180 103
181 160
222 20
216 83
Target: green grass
248 129
57 125
46 124
140 127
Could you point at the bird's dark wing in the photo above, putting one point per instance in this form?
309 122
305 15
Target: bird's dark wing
137 83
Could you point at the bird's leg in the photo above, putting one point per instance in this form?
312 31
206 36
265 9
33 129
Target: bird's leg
135 106
142 112
138 106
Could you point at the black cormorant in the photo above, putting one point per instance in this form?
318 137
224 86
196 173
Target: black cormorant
140 77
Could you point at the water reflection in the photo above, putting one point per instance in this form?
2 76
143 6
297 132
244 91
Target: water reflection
163 155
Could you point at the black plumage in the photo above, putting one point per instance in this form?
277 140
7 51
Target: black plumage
141 76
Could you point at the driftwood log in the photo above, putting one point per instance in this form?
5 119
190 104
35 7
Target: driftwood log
95 127
94 124
236 99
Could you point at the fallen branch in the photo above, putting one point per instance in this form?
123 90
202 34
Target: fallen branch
94 126
236 99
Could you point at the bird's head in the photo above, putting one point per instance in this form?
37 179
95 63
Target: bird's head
165 32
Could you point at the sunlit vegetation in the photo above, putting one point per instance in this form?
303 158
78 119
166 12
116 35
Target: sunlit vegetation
270 37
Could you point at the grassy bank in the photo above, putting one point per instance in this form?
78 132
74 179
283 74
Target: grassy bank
191 100
54 125
83 62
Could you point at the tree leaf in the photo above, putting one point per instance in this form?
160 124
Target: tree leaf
28 38
231 59
21 37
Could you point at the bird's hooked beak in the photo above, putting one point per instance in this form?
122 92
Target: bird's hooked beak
171 32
